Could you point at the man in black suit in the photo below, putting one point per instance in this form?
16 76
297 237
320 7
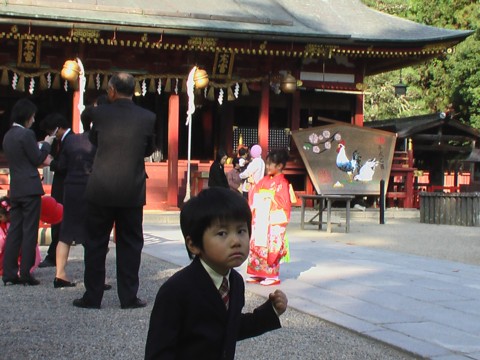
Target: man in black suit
24 155
57 125
116 192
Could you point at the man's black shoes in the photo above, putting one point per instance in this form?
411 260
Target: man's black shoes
135 304
82 303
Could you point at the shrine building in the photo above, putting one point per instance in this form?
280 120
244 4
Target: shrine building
274 66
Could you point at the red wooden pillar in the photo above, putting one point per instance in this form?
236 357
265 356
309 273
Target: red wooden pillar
358 117
359 98
263 126
76 112
173 131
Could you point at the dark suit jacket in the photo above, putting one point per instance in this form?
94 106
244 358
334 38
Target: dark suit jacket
76 159
58 173
124 135
189 319
24 155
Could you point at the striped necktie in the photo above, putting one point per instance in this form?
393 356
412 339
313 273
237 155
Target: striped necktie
224 292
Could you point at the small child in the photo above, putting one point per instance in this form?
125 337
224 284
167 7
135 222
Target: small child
243 158
271 201
254 171
233 176
198 311
4 225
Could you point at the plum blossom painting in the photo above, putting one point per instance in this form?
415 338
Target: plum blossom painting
346 159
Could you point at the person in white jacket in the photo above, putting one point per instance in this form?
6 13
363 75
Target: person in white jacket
255 170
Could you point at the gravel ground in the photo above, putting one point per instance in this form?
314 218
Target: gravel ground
40 323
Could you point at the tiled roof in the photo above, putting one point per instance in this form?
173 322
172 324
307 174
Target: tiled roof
326 21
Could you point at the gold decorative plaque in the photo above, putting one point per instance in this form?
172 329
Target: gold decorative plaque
29 53
223 65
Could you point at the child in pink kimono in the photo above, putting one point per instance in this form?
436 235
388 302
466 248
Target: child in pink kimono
4 225
270 201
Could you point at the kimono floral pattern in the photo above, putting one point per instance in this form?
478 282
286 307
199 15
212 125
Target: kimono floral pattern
271 205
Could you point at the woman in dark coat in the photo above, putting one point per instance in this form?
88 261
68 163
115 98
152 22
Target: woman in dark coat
216 176
76 161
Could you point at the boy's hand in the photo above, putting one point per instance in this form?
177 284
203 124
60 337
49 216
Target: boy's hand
279 301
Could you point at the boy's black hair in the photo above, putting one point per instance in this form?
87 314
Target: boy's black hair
278 156
54 120
22 111
211 204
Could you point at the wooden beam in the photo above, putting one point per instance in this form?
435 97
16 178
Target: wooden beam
441 148
436 137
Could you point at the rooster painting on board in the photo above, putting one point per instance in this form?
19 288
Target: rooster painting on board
350 166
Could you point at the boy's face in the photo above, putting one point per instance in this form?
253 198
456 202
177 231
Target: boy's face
225 245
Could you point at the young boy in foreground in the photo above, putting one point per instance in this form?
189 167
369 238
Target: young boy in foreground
193 316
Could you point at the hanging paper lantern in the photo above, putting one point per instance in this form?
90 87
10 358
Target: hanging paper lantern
288 84
144 87
159 87
176 86
70 70
201 79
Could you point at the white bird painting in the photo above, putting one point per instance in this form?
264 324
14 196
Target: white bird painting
367 171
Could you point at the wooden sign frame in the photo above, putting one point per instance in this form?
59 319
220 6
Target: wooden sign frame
346 159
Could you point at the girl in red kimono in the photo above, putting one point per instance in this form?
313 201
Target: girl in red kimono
271 202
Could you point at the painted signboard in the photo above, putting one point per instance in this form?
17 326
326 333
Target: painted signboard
346 159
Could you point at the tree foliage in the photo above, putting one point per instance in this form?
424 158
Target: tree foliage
432 86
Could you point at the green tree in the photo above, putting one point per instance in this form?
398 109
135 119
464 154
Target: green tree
450 79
